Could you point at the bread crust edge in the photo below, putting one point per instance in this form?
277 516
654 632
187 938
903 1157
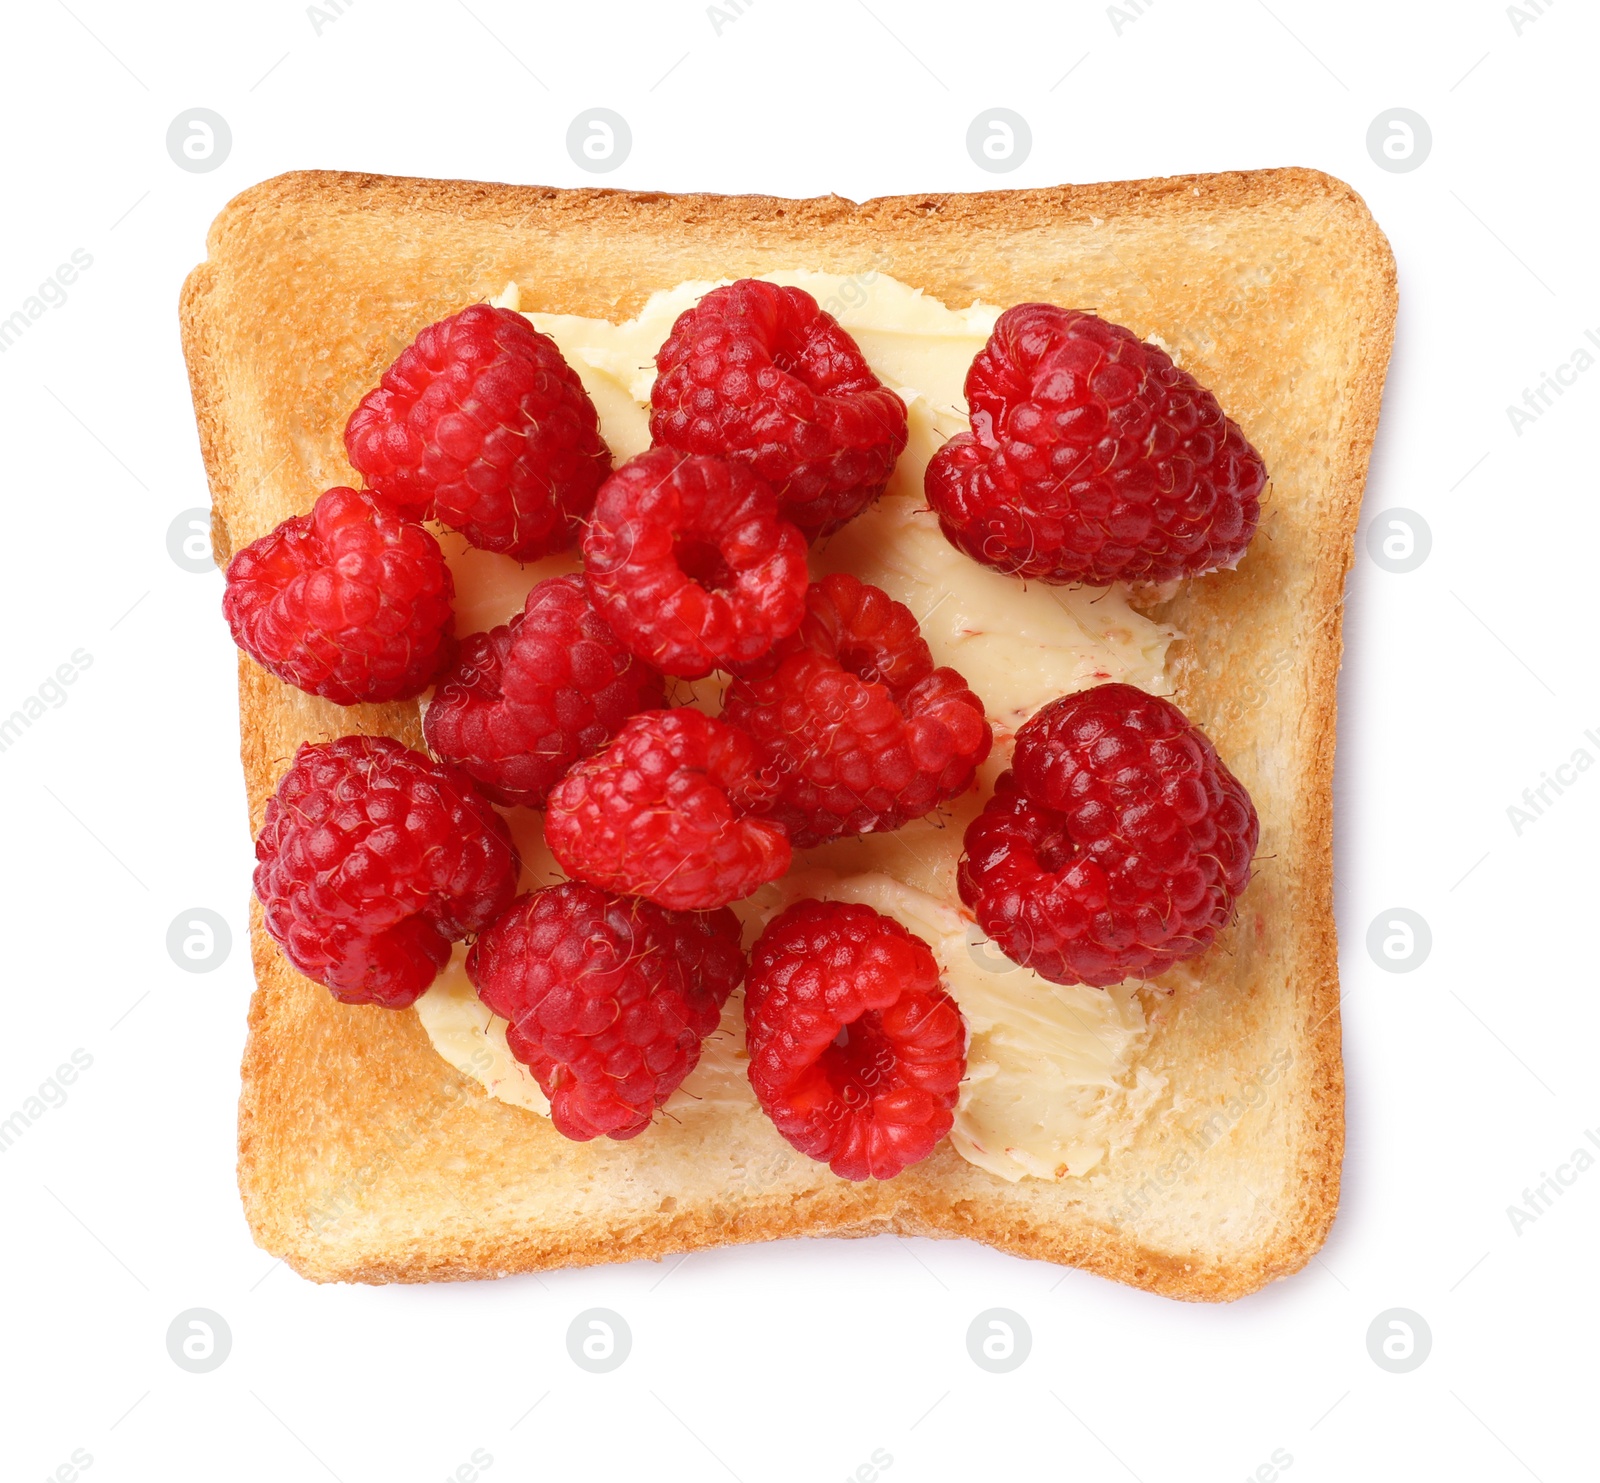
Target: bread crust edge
1102 1250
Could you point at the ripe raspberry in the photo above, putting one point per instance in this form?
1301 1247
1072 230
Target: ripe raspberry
482 424
1092 458
856 1051
760 374
525 701
690 563
608 998
660 813
856 728
372 859
351 602
1117 844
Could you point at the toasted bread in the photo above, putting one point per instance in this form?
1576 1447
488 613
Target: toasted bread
364 1156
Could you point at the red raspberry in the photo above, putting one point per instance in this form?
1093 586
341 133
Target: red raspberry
351 602
372 860
660 813
1092 458
856 1051
759 373
525 701
482 424
1117 844
692 566
857 729
608 998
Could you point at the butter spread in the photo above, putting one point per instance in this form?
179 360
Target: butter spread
473 1040
1053 1080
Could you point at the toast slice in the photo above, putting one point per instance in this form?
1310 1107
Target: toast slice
364 1156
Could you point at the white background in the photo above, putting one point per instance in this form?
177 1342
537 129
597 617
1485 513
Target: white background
1466 679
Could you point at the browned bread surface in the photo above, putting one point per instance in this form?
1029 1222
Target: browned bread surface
364 1156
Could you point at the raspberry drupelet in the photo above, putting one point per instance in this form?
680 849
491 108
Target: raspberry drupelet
1092 458
689 560
372 859
856 1050
661 812
481 424
351 602
608 999
525 701
1117 844
760 374
857 729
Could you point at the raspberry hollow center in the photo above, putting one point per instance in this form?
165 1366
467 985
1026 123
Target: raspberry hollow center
852 1069
1056 851
701 561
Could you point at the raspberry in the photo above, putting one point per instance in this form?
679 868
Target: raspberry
660 813
1092 458
857 730
482 424
760 374
351 602
525 701
856 1051
1117 844
608 998
692 566
372 859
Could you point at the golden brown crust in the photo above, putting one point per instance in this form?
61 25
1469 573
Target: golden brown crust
363 1156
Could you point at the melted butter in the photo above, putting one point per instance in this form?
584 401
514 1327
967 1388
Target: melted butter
1053 1078
1018 645
1046 1063
473 1040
